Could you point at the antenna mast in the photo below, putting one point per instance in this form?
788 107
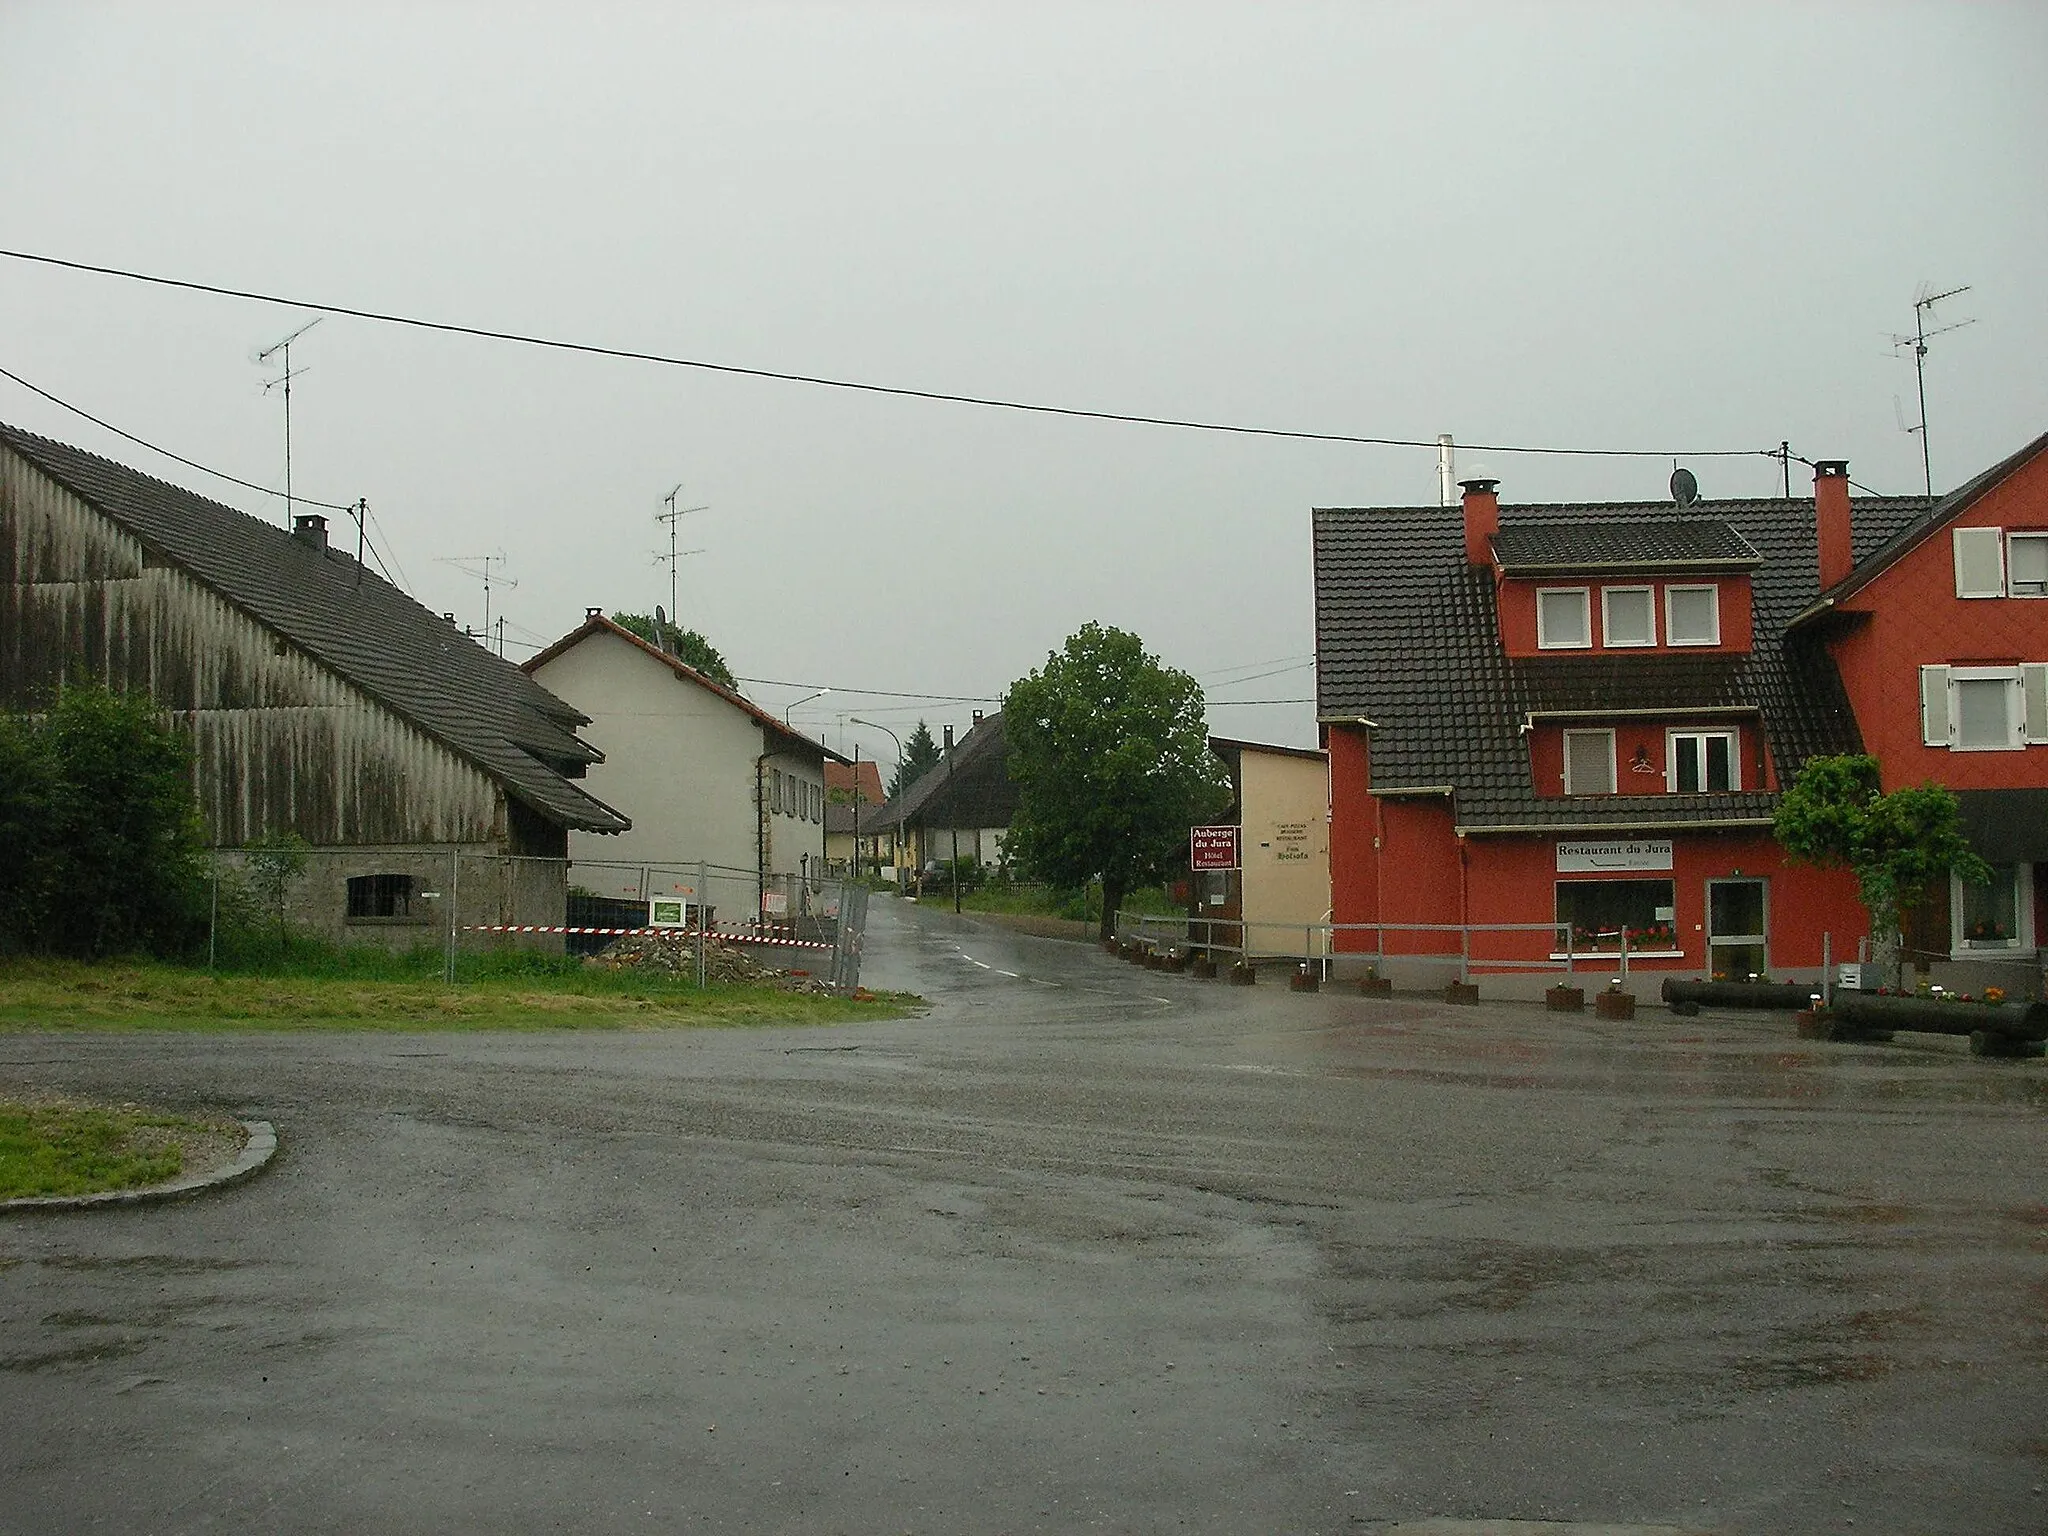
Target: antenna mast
1923 306
285 381
671 517
478 567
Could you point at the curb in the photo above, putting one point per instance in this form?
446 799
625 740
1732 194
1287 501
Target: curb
256 1155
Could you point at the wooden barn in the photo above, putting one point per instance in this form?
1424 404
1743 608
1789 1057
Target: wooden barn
434 780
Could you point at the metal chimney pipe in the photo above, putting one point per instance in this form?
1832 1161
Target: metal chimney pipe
1446 475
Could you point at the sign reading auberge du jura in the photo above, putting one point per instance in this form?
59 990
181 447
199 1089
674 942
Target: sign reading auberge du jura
1589 858
1212 848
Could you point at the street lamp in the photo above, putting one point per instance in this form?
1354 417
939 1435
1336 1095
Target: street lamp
792 704
897 841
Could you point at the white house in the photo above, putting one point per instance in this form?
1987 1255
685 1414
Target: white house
715 778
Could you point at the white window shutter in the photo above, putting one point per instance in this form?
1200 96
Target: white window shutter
1934 715
2034 688
1980 562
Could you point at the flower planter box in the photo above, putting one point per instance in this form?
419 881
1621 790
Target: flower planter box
1873 1010
1303 980
1242 975
1563 999
1174 961
1984 1042
1615 1005
1202 966
1154 960
1461 992
1375 986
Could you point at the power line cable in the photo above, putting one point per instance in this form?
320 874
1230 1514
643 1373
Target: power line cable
204 469
555 344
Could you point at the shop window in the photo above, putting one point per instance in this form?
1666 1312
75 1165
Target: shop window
2026 564
1589 762
1596 913
1995 915
381 896
1628 616
1697 762
1563 619
1692 615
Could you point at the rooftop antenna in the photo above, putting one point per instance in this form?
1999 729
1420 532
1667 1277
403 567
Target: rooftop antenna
672 516
478 567
284 381
1923 307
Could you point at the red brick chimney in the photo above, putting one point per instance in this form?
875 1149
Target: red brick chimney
1482 519
1831 517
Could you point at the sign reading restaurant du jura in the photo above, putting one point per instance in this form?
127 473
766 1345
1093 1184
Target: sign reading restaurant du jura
1587 858
1212 848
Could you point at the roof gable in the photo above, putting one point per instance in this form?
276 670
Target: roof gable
353 622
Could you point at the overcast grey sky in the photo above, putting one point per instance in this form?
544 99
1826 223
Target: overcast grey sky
1605 226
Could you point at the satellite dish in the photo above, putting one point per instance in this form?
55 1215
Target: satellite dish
1685 490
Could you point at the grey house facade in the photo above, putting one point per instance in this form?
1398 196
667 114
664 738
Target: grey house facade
318 698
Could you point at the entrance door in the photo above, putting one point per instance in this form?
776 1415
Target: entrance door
1736 927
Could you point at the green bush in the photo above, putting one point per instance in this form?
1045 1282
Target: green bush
97 813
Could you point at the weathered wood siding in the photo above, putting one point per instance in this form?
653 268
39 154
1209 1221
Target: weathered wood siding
281 743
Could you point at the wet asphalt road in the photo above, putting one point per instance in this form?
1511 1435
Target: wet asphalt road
1086 1247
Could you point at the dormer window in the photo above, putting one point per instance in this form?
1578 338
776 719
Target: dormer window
1563 619
1628 616
1692 615
1589 762
1701 762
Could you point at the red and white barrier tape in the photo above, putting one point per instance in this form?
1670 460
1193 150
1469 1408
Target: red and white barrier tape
737 937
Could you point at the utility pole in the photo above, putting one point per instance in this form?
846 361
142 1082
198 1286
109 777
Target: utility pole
953 815
284 381
1922 308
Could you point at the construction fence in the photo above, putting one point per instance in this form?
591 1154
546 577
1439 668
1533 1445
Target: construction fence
464 900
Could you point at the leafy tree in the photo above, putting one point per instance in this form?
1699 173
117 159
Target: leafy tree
272 865
1111 757
688 644
113 834
28 783
921 754
1900 845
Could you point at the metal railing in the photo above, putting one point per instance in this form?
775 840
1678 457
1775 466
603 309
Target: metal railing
1459 945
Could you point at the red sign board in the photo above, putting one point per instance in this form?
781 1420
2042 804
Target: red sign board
1212 848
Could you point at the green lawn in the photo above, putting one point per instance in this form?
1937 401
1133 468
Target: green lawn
54 994
1044 901
74 1149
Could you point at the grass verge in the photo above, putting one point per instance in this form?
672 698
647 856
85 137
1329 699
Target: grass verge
59 994
63 1148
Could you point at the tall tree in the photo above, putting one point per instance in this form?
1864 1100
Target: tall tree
1900 845
1111 757
920 755
687 644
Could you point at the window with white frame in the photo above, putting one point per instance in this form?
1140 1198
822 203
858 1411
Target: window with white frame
1980 562
1692 615
1563 619
1701 762
1997 914
1589 762
1984 709
1628 616
2026 564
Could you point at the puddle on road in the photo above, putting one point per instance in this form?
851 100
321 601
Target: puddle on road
76 1355
147 1263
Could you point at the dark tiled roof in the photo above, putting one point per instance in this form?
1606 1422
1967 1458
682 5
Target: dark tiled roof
412 662
1650 544
975 792
1406 636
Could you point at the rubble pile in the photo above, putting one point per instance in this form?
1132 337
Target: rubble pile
675 954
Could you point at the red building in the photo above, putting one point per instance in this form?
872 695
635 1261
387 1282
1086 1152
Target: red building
1580 717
